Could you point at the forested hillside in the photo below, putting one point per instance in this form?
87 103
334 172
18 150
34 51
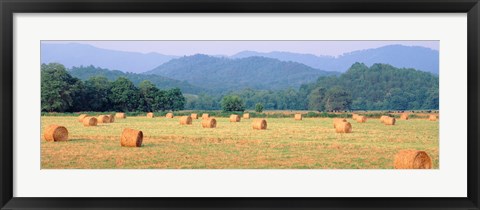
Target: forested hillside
223 74
379 87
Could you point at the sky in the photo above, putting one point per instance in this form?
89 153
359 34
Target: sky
228 48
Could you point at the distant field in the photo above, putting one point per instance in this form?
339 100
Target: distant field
310 143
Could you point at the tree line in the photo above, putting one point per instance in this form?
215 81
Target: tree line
60 92
379 87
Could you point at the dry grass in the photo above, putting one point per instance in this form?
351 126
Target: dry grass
310 143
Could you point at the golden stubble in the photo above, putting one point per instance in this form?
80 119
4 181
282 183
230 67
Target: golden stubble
311 143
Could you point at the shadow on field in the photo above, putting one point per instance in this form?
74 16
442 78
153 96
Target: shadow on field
79 140
147 145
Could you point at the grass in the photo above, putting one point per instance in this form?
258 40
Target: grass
286 144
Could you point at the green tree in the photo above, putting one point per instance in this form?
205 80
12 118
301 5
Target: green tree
232 103
161 101
58 88
148 95
125 96
97 94
316 99
432 99
207 102
259 107
174 99
337 99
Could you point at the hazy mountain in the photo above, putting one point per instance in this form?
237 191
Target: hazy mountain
84 73
229 74
74 54
421 58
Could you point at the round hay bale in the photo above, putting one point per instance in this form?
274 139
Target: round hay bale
90 121
150 115
112 118
404 116
209 123
354 116
298 116
382 118
246 115
432 117
120 115
389 121
185 120
194 116
131 138
361 119
412 159
205 116
55 133
103 119
338 120
343 127
259 124
169 115
81 117
234 118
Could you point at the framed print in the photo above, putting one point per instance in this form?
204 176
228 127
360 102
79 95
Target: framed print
239 105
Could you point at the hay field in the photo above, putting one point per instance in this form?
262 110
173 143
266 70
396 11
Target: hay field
286 144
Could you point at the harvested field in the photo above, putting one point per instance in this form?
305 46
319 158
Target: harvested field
286 144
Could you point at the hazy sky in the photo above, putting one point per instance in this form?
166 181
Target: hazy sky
180 48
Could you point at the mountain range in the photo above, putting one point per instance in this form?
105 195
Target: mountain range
74 54
228 74
421 58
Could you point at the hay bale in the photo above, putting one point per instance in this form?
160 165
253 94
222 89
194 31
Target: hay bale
412 159
382 118
209 123
354 116
120 115
343 127
361 119
81 117
131 138
205 116
112 118
246 115
103 119
404 116
338 120
55 133
169 115
185 120
298 116
389 121
194 116
90 121
432 117
259 124
150 115
234 118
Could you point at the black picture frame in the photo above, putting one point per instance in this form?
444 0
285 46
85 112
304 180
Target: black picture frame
9 7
